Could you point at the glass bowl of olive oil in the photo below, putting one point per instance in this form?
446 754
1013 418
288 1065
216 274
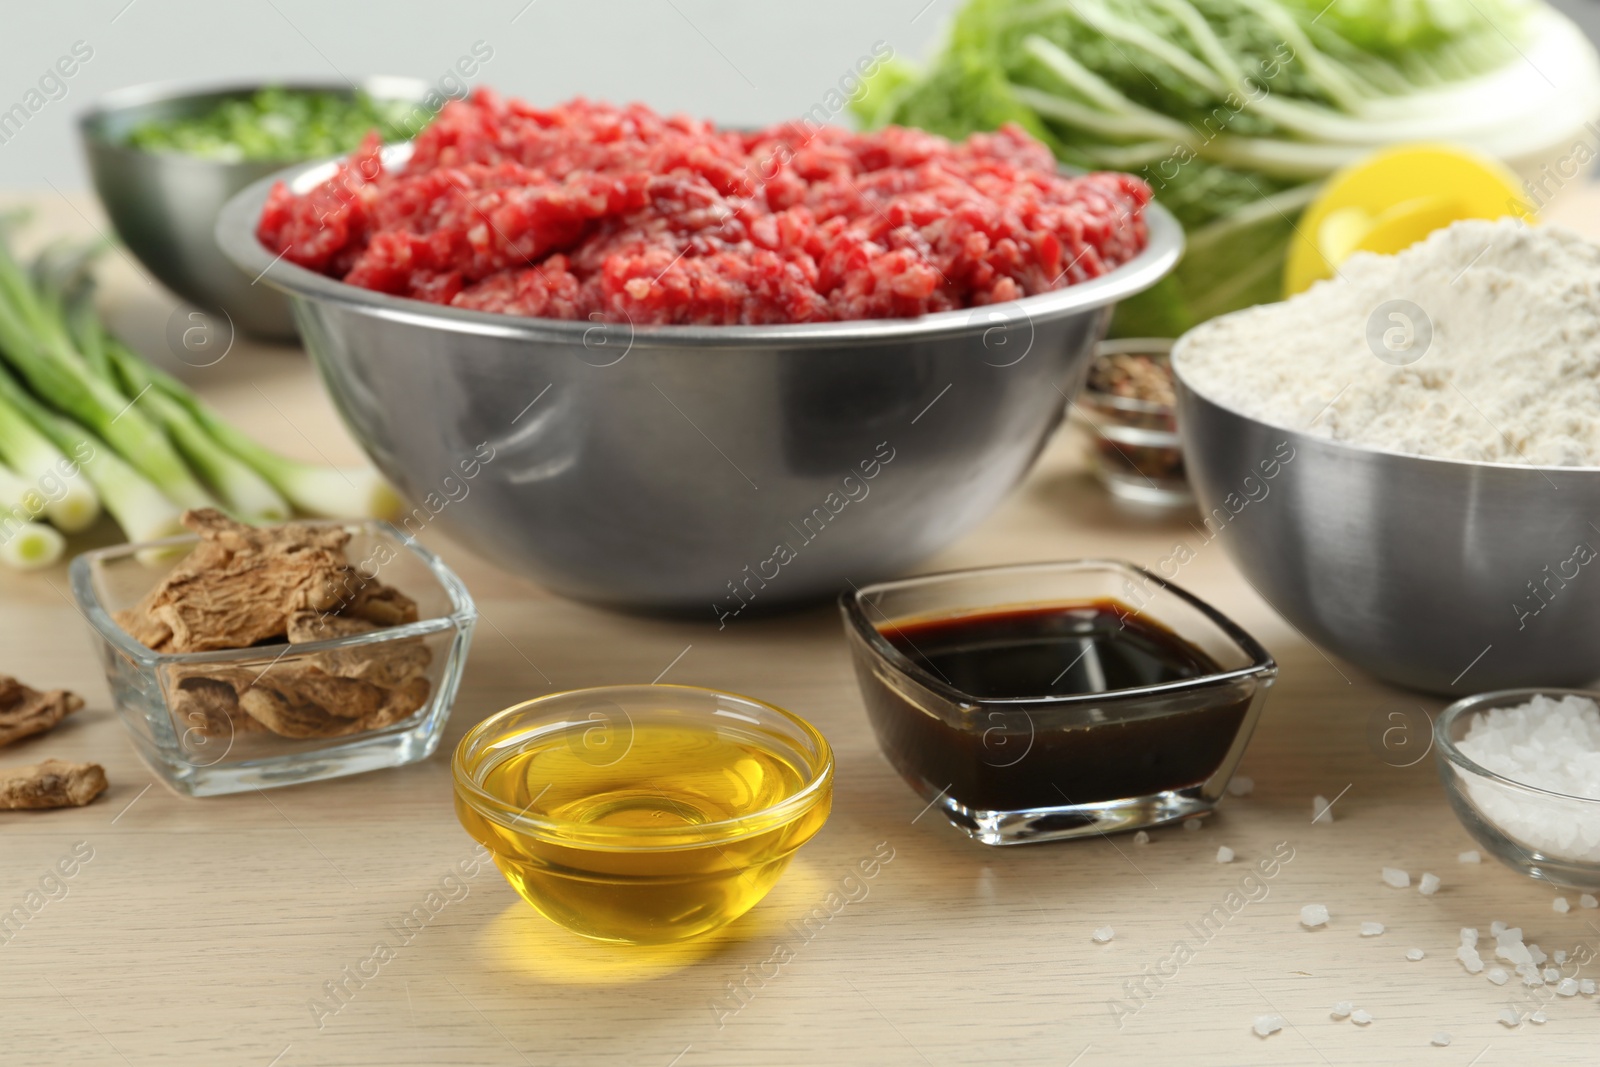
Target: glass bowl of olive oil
643 814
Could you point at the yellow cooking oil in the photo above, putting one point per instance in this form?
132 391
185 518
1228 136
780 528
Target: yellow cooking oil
634 842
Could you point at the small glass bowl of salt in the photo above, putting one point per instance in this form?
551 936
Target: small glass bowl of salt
1522 771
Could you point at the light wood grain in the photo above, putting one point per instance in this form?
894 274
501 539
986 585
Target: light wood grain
201 930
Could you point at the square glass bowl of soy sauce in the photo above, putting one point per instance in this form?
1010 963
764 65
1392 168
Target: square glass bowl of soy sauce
1056 700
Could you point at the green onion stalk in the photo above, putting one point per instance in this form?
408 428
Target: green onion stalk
24 543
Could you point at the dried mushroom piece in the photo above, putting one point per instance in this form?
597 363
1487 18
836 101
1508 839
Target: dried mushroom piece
309 702
209 706
240 584
51 784
25 711
389 665
380 604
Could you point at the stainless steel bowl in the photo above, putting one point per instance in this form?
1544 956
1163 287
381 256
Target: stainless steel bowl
1442 575
718 470
164 205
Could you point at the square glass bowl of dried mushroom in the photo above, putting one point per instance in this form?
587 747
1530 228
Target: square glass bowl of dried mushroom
248 657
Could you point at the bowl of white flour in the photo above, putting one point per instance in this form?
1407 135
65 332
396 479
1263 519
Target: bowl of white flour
1405 459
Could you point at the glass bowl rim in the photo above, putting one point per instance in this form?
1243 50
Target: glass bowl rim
1261 661
463 611
1499 698
720 831
1158 349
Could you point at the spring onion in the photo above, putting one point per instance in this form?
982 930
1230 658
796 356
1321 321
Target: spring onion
29 546
140 508
68 500
36 342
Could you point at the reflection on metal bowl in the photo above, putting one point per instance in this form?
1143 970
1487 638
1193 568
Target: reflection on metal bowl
723 469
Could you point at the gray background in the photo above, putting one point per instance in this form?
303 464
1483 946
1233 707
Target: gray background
737 61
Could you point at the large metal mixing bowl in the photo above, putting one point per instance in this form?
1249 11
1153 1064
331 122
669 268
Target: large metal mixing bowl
1441 575
164 205
715 470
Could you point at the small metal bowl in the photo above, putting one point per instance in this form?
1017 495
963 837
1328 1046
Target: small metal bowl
1488 803
720 470
164 205
1135 447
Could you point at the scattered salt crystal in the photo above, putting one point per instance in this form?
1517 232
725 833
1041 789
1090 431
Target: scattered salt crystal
1470 959
1104 934
1497 928
1551 974
1532 981
1560 905
1395 877
1498 975
1470 856
1224 854
1508 1017
1567 988
1587 987
1415 954
1342 1010
1588 900
1536 954
1538 1017
1560 957
1321 809
1241 786
1469 935
1313 915
1141 838
1429 885
1266 1025
1361 1017
1191 824
1371 929
1441 1039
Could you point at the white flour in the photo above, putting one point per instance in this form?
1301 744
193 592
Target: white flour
1511 374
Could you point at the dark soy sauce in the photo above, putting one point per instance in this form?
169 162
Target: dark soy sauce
1032 753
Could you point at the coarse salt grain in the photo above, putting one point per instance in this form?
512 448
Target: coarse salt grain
1314 915
1321 809
1224 854
1342 1010
1370 929
1539 1018
1415 954
1191 824
1241 786
1428 885
1560 905
1470 856
1394 876
1549 744
1560 956
1498 975
1104 934
1588 901
1469 959
1497 928
1469 935
1551 974
1361 1017
1267 1025
1587 987
1568 987
1441 1039
1508 1017
1141 838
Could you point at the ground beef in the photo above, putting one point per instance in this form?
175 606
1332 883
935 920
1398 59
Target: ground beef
589 211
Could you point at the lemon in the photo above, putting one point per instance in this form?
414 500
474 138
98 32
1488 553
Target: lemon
1392 199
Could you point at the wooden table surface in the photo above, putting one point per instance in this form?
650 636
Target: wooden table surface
207 931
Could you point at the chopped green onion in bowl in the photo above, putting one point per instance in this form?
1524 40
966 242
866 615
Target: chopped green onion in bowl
277 123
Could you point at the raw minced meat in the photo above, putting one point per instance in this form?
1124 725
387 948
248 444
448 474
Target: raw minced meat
618 214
